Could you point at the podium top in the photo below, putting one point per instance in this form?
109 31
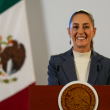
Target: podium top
46 97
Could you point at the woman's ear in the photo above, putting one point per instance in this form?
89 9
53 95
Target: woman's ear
69 33
94 31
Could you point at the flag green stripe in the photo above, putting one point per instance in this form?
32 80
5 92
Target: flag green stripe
5 4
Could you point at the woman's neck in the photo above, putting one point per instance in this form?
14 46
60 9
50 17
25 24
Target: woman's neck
81 49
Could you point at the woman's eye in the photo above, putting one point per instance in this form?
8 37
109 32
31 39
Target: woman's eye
86 27
76 27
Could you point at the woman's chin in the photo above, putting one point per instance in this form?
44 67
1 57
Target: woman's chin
82 46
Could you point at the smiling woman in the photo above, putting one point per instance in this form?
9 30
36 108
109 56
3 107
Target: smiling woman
81 30
81 62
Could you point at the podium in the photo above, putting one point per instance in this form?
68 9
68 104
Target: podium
46 97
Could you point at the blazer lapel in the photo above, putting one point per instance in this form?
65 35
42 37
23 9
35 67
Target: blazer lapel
94 67
69 66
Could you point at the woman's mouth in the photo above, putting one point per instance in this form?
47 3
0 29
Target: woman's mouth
81 38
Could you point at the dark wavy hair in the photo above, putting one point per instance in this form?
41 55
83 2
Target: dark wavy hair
87 13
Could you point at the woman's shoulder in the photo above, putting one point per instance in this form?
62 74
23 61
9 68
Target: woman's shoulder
106 59
101 57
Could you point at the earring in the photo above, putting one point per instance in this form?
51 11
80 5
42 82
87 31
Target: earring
70 41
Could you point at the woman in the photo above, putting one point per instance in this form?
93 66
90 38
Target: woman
81 62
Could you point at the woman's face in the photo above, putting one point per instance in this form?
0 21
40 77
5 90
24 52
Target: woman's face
81 31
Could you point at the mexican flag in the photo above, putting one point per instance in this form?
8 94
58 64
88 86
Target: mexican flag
16 66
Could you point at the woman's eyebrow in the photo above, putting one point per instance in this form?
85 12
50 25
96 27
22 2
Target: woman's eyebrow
75 24
85 23
78 23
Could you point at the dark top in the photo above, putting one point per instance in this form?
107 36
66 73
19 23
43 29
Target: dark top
61 69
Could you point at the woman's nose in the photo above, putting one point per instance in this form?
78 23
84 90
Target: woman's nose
80 30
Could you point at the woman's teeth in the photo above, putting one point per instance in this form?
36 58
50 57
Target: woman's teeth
81 38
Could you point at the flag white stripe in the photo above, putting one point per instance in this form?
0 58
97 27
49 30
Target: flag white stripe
14 22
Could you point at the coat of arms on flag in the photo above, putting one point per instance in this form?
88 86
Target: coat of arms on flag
12 58
16 64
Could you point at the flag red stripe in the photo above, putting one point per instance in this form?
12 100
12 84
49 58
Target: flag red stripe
19 101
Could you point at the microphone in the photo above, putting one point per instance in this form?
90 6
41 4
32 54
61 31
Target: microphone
98 68
58 67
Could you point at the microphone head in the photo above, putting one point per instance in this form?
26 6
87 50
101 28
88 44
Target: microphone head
58 67
97 67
